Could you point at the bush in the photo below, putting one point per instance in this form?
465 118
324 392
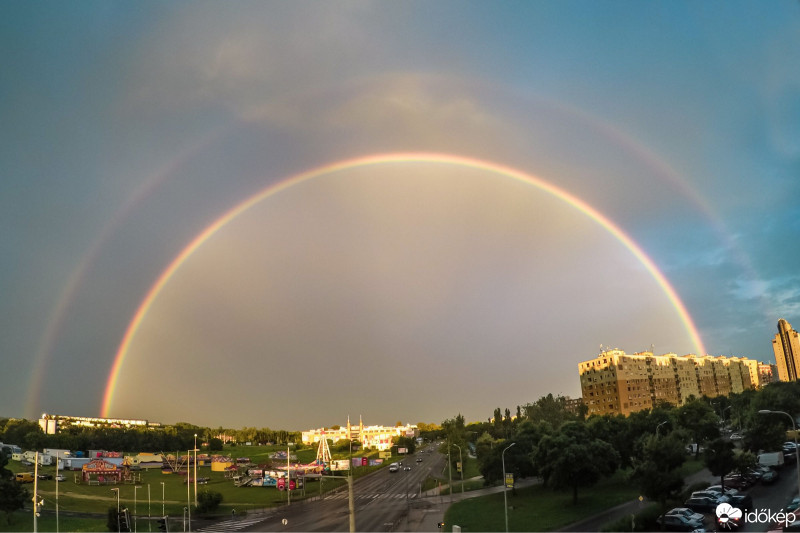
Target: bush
208 501
644 520
694 487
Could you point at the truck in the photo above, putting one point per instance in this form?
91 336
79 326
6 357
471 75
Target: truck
773 459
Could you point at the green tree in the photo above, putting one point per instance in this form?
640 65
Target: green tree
208 501
12 494
571 458
214 444
697 417
745 461
655 467
720 459
550 409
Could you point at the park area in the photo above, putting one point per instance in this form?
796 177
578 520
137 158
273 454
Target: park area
84 507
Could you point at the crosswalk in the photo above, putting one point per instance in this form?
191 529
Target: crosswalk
237 524
375 496
233 524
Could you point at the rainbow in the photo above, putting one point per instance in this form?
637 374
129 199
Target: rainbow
380 159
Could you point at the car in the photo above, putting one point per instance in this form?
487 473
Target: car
679 523
686 512
45 476
742 501
406 468
702 504
721 498
419 459
26 463
736 436
718 489
769 477
738 481
793 505
61 477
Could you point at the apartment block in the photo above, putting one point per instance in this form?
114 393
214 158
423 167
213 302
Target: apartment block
616 382
786 346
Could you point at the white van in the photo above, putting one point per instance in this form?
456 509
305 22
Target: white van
394 467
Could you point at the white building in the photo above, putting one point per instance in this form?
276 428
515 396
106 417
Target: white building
374 437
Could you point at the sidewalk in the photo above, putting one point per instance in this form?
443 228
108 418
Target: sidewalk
598 521
430 508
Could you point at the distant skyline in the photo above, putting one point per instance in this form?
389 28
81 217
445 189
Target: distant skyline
633 182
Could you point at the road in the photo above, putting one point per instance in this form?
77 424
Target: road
382 500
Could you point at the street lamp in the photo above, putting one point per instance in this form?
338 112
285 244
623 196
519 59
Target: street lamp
794 428
461 462
135 506
116 489
195 469
505 485
162 499
188 488
58 457
659 426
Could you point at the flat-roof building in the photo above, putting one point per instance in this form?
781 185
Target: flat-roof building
616 382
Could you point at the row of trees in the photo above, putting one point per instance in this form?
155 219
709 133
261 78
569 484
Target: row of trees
28 434
568 450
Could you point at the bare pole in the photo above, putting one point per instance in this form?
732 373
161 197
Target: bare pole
505 485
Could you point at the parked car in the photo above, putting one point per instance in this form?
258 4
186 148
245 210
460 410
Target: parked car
45 476
729 491
24 477
769 477
61 477
738 481
679 523
686 512
721 498
742 501
793 505
736 436
702 504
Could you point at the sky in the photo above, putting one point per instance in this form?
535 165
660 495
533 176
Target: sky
282 214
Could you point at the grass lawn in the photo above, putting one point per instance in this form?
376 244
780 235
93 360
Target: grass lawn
538 509
82 498
23 521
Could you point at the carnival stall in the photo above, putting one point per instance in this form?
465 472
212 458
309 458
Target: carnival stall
101 472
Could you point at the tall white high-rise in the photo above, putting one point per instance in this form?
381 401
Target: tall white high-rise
786 346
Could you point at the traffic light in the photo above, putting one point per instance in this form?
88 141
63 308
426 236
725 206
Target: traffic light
124 521
163 524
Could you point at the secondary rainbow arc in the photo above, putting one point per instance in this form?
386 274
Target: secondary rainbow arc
388 158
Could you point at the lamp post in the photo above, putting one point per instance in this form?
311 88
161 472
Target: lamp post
461 462
188 492
505 485
135 506
148 508
195 469
163 513
35 492
116 489
659 426
794 428
58 457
